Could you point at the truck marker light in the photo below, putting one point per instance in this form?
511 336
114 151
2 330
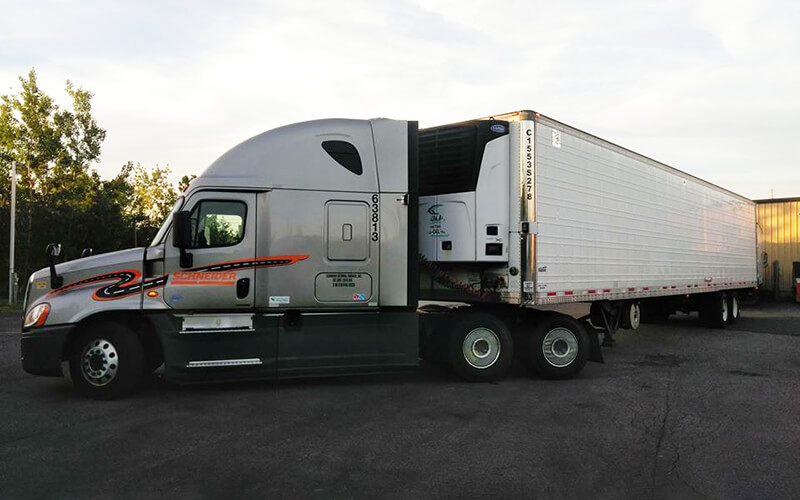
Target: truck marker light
152 294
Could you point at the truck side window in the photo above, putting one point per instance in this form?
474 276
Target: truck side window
345 155
217 223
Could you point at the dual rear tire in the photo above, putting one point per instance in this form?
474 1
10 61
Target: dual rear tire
557 347
733 308
719 309
481 347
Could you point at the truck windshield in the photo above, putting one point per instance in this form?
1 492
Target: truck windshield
167 222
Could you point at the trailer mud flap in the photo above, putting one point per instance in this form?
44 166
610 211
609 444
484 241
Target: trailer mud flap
595 351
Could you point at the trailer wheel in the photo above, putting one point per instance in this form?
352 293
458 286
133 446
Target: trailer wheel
733 308
558 347
632 316
714 310
106 361
481 348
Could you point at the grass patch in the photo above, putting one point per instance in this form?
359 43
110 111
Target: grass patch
5 307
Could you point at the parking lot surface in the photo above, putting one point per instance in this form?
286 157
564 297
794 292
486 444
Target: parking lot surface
677 411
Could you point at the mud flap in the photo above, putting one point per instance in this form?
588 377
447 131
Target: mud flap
595 352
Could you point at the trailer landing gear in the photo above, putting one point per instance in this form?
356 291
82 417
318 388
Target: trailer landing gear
608 317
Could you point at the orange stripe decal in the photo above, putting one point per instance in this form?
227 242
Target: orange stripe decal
128 282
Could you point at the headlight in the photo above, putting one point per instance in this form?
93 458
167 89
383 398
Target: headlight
37 316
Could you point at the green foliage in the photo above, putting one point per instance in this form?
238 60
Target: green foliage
10 308
58 198
153 197
151 201
185 180
220 232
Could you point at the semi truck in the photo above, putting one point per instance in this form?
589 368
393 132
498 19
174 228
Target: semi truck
343 246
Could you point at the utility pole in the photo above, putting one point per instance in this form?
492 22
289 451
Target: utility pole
11 274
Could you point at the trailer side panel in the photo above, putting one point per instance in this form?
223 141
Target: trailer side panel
615 224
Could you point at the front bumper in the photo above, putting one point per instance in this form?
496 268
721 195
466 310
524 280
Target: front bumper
42 349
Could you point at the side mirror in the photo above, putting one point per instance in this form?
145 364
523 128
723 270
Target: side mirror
53 251
181 229
182 235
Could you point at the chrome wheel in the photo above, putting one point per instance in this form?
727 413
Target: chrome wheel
734 307
481 348
560 347
99 362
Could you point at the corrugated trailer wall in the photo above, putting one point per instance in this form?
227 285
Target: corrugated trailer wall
779 219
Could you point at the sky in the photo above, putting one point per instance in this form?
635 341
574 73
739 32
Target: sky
709 87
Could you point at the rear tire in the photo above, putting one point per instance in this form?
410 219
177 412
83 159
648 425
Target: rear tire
714 310
106 361
481 348
558 347
632 316
733 308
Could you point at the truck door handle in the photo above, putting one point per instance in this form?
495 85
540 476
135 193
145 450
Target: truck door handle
242 288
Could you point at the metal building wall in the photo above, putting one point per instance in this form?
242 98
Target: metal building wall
779 220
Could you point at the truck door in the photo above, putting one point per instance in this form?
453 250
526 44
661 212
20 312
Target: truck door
212 293
223 242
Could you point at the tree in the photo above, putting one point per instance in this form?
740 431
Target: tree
152 200
53 148
59 199
185 180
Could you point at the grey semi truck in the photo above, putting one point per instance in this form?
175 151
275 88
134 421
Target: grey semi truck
350 246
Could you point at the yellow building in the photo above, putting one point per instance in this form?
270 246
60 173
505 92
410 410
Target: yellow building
779 233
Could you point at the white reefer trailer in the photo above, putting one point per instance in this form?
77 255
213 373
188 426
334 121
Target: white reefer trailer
305 250
571 217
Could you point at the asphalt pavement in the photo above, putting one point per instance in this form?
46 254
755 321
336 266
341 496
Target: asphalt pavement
677 411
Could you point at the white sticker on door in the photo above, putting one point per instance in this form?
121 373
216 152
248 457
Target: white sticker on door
278 300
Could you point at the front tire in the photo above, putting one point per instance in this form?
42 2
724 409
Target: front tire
481 348
106 361
558 347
